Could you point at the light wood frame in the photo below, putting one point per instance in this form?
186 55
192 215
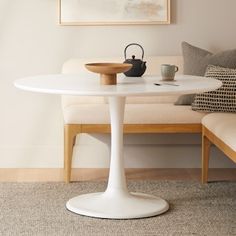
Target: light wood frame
168 21
72 130
208 138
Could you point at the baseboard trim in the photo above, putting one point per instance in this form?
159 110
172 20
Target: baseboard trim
92 174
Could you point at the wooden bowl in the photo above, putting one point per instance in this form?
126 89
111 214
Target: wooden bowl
108 71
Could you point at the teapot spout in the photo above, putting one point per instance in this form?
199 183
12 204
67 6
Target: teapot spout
143 64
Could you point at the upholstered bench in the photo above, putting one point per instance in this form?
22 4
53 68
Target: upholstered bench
218 129
155 114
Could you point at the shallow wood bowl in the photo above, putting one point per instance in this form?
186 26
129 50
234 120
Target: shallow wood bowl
108 71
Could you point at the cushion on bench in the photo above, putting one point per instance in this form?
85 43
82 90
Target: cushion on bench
134 114
138 110
73 100
222 125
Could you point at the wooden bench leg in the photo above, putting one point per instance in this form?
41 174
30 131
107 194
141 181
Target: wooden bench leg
206 145
70 132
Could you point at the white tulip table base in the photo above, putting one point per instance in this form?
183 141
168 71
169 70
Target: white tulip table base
121 206
116 202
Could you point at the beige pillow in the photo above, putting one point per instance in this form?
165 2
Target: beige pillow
196 61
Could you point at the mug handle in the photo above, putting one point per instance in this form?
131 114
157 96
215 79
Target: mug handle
176 69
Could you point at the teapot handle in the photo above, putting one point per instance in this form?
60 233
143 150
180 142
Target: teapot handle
136 45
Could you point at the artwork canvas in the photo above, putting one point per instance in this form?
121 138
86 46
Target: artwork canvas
105 12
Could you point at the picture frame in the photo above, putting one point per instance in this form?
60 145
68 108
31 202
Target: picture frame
114 12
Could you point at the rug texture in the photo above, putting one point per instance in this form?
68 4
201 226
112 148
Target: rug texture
195 209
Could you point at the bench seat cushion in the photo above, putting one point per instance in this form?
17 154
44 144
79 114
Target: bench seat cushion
76 100
134 114
222 125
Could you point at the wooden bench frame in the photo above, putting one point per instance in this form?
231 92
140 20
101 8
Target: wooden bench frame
208 138
72 130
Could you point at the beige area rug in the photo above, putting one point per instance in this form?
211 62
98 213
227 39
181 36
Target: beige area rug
39 209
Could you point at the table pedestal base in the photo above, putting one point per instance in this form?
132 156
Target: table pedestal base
116 202
125 206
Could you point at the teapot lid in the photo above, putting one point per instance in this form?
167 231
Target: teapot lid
134 59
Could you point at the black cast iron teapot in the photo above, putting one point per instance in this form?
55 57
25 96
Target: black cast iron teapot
139 66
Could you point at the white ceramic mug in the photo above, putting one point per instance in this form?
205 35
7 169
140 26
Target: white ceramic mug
168 71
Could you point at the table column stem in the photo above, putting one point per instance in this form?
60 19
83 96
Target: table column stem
117 182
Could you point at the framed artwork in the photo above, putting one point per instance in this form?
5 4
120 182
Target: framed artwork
114 12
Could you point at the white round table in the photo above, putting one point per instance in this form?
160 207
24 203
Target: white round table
116 202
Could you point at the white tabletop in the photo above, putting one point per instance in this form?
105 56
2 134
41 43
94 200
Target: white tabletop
89 84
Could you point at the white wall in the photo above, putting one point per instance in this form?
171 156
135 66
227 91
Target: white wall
32 43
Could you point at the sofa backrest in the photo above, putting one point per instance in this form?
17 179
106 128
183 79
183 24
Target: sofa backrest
76 65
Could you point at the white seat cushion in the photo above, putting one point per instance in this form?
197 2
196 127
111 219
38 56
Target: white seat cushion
139 110
134 114
223 125
73 100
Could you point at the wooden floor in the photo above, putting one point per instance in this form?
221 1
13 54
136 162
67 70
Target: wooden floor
157 174
87 174
182 174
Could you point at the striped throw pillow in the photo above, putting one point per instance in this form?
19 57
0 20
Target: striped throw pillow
222 99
